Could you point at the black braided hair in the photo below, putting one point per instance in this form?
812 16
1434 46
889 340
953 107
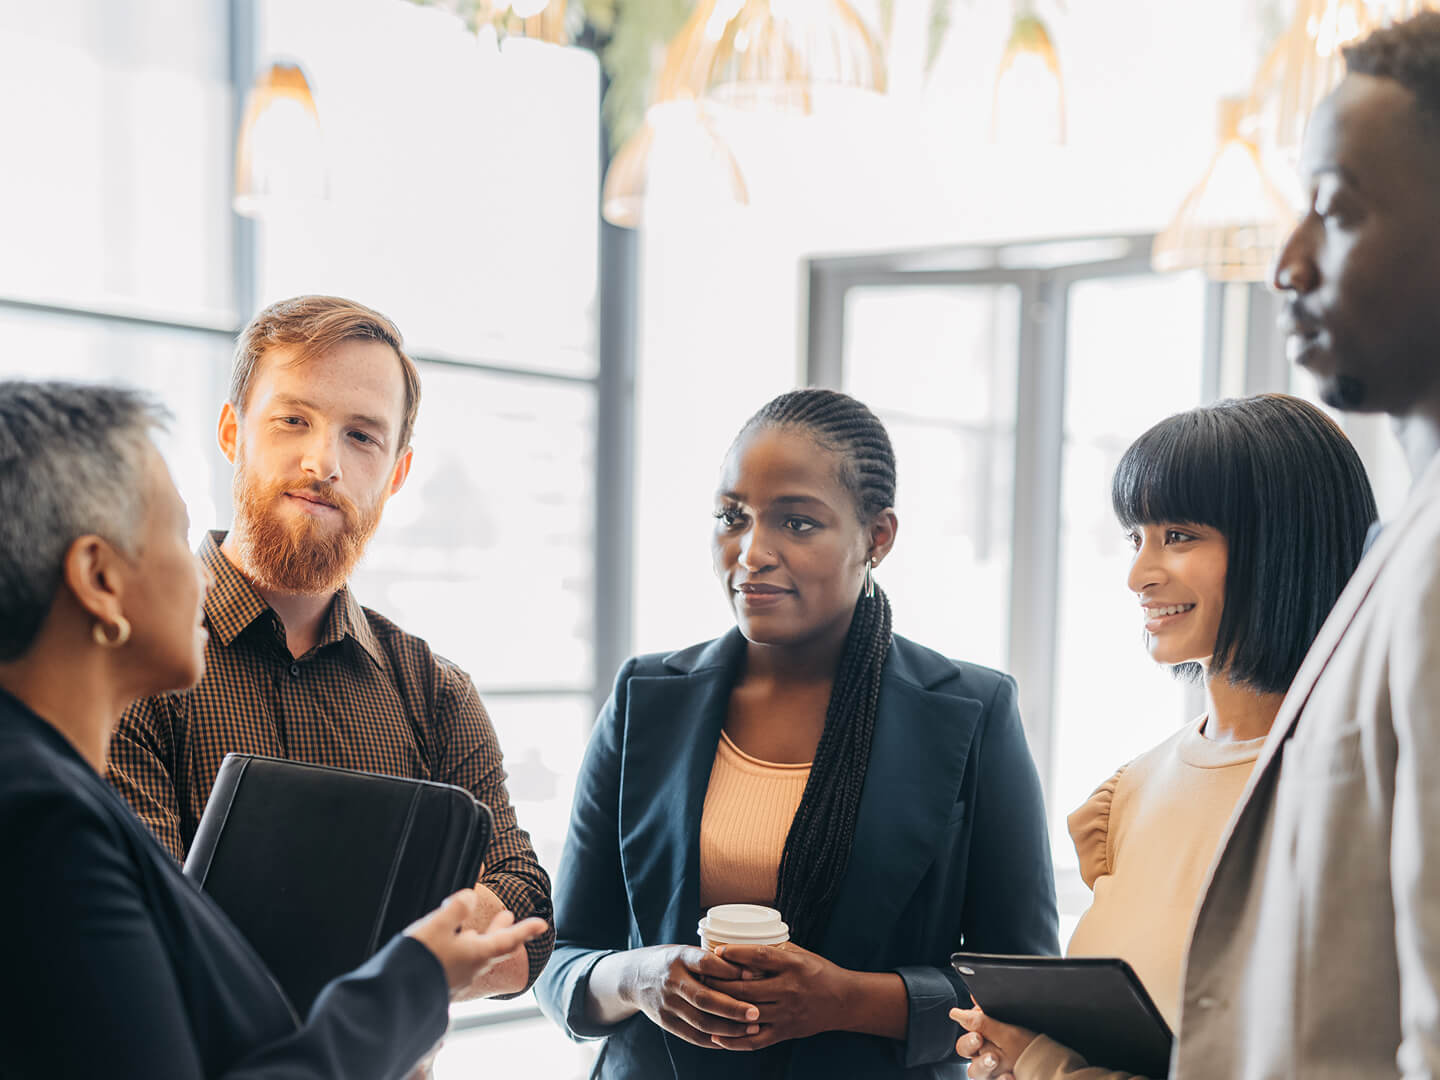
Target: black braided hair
817 849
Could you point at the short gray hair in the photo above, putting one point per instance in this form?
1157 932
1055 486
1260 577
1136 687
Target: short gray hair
72 464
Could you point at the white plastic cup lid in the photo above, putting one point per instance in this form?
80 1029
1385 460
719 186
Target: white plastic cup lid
744 924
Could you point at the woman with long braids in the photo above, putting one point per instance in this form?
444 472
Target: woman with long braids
879 795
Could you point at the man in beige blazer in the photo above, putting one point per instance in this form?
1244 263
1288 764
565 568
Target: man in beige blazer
1316 947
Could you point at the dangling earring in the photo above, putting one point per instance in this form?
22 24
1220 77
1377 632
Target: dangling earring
102 635
869 581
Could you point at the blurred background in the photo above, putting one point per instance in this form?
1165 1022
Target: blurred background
610 230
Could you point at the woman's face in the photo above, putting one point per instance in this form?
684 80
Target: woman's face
1178 574
164 596
789 548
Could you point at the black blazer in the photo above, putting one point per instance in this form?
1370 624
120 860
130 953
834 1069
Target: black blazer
951 850
114 965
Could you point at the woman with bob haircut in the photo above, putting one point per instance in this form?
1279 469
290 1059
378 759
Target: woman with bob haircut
1247 518
881 796
101 602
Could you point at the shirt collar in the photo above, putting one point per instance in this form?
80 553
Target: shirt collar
233 604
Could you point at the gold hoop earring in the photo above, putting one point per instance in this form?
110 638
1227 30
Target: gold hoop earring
102 635
869 580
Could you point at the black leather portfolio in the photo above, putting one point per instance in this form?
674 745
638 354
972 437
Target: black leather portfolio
1094 1005
319 867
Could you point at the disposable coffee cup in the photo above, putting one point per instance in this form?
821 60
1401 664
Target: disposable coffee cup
742 924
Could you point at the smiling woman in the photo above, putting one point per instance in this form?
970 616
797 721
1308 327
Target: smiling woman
811 761
1247 518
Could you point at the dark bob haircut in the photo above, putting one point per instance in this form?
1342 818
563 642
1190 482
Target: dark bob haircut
1282 483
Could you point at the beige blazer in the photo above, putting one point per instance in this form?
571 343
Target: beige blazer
1316 944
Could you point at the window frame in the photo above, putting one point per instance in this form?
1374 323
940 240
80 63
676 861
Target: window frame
1248 363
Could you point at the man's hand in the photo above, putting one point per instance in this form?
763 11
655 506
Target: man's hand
465 954
509 974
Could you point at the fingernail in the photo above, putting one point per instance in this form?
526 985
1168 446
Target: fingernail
753 1029
990 1061
719 950
752 1014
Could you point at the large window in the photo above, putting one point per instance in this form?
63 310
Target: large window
463 190
937 364
1012 379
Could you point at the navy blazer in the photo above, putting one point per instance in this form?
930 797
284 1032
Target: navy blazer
951 850
115 965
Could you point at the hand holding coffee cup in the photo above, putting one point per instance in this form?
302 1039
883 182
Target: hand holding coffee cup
673 986
798 993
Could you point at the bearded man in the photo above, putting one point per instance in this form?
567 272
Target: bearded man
322 405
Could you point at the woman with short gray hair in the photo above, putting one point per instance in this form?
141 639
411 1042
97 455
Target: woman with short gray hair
121 967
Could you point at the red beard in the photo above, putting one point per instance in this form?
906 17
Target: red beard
304 555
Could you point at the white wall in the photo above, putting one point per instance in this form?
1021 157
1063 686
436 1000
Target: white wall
723 299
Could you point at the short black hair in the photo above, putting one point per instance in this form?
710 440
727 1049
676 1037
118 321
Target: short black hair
1408 52
1279 479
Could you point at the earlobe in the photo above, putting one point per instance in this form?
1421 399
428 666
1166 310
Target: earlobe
227 434
402 470
91 575
882 534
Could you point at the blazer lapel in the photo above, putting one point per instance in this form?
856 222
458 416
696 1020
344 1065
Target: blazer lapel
672 729
917 762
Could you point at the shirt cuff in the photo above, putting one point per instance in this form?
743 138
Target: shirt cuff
931 1034
520 899
579 1026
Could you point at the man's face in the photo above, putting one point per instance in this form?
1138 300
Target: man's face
315 459
1362 269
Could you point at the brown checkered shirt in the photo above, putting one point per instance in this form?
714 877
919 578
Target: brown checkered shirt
367 696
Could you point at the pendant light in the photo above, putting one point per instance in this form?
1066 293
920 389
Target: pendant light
1233 222
279 158
1305 65
1029 102
779 54
677 120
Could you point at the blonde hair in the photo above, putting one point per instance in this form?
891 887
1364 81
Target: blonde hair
315 325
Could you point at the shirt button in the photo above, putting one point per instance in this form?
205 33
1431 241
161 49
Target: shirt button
294 669
1205 1003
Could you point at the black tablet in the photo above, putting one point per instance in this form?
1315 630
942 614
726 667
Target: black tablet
1094 1005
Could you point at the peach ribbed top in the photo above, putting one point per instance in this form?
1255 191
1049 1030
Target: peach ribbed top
748 810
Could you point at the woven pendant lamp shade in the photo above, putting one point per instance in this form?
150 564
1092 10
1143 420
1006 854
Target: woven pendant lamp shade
1233 223
676 104
1028 105
776 54
279 156
1305 65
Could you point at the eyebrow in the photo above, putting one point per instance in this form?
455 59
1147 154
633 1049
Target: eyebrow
788 500
376 422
